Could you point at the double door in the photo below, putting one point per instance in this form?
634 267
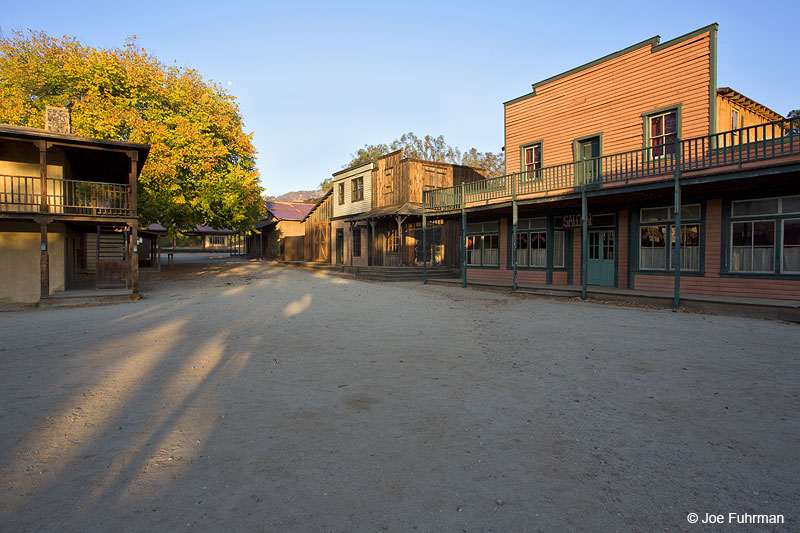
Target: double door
600 260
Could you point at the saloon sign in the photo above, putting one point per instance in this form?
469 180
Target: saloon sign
574 221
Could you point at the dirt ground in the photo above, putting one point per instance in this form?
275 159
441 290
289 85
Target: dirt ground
248 397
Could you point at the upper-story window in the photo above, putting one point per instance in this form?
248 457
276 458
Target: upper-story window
341 193
532 158
357 193
662 129
734 119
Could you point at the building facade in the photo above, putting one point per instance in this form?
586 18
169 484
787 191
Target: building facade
68 215
620 169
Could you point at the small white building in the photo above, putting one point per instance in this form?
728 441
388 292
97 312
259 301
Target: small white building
352 195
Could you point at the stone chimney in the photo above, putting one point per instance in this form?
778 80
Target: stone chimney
56 119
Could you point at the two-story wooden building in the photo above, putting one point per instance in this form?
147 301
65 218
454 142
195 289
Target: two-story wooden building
636 171
67 211
388 218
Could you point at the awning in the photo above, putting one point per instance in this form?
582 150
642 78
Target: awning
406 209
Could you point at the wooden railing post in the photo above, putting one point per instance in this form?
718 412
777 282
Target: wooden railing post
676 299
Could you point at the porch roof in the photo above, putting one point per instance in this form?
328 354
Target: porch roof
408 208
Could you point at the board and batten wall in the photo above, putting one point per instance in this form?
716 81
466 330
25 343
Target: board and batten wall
611 96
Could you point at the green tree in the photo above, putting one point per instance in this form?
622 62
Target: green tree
429 149
201 167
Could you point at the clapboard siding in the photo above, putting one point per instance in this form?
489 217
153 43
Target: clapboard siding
348 206
610 98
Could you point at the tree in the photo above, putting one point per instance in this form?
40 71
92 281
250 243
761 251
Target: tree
429 149
201 167
794 116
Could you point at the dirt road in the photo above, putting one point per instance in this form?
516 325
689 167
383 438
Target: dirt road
242 396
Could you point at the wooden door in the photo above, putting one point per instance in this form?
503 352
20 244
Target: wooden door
339 246
600 261
587 168
321 242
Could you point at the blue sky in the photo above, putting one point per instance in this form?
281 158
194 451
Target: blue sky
317 80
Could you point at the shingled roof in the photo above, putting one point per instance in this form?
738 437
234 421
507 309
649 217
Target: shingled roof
288 210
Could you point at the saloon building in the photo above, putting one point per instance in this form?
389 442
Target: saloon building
636 171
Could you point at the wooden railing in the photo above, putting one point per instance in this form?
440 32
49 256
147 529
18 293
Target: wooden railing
727 149
23 194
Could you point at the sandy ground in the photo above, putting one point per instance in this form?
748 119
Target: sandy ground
242 396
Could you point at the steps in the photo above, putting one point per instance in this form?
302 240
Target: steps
400 273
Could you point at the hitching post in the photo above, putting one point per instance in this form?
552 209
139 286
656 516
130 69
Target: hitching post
424 245
463 239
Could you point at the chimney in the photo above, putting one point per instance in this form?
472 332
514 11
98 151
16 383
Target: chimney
56 119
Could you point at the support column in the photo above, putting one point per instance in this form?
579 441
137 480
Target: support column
372 251
463 247
676 298
514 219
133 258
424 249
400 221
44 261
132 181
352 240
584 243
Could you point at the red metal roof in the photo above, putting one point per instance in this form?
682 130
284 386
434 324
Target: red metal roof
288 211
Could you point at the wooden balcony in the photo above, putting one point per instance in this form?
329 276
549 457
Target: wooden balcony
23 194
754 147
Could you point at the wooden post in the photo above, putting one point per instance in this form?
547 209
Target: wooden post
133 267
352 239
463 246
676 298
372 226
44 261
584 243
514 218
424 248
43 205
134 157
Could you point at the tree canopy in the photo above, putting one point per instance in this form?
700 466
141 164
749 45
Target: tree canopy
201 167
429 149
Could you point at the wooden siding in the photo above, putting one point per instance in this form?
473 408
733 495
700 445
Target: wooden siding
349 207
622 250
397 180
319 218
747 118
610 98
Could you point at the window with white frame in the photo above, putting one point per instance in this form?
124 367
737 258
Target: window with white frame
657 238
532 159
482 244
765 235
662 130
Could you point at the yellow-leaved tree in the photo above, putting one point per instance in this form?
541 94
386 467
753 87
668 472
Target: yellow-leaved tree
201 167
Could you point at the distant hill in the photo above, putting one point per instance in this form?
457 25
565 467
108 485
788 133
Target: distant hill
299 196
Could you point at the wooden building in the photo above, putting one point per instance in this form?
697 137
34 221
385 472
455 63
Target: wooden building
635 171
280 233
391 230
67 211
317 230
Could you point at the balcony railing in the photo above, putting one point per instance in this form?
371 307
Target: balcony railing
23 194
727 150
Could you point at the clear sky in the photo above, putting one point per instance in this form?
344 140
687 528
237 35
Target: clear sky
317 80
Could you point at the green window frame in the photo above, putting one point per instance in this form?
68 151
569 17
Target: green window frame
765 236
483 244
657 238
661 127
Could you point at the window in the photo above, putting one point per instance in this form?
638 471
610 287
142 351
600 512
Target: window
357 242
357 193
482 244
657 238
756 246
341 193
532 159
734 119
662 130
217 240
532 242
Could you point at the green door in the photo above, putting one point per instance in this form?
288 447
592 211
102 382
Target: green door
587 168
600 262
